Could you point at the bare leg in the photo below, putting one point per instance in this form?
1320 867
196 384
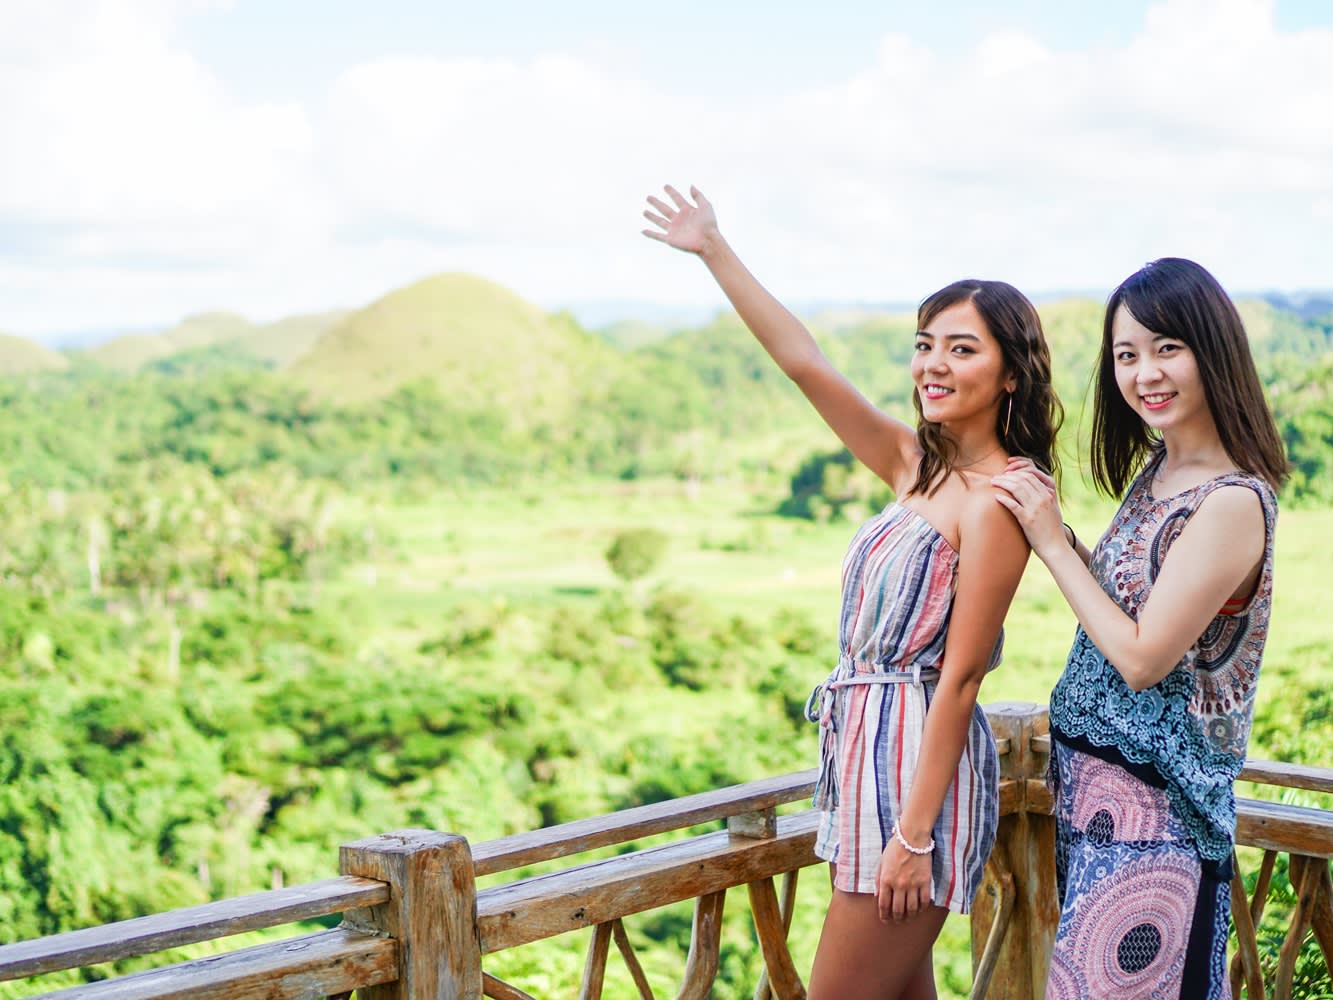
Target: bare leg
861 957
922 984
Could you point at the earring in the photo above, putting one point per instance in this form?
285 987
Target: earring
1009 412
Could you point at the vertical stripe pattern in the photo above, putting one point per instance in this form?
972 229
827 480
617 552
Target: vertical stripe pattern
898 588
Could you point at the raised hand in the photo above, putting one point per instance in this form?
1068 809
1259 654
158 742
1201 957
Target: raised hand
685 226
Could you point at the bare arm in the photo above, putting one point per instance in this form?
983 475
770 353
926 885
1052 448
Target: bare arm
1218 550
992 555
886 446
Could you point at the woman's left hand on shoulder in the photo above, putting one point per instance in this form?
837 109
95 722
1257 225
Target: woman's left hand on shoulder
902 884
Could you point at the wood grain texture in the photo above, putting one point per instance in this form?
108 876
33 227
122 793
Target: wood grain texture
498 989
546 905
1322 919
1001 912
761 824
1304 875
303 968
160 931
594 966
705 947
1276 772
1245 963
771 926
431 912
631 960
1289 829
1022 862
762 991
632 824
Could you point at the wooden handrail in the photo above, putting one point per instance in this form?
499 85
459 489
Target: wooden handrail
160 931
545 905
507 853
1261 772
415 923
314 965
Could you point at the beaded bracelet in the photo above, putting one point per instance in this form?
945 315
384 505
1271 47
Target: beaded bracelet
898 835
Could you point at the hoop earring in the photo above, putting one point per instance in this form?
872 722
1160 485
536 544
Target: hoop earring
1009 412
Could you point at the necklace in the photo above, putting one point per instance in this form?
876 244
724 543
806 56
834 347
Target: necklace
976 461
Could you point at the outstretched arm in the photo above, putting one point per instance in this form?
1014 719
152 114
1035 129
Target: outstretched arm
992 554
885 445
1217 553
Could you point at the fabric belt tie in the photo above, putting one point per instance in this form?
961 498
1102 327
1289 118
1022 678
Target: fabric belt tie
827 706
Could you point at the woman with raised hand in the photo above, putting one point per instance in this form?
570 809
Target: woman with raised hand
908 769
1150 719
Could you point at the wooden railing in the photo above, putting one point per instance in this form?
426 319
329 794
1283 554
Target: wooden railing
415 925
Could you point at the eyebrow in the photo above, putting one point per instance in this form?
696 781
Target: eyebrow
1155 338
950 336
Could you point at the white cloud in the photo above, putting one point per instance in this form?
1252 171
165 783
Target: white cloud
1206 134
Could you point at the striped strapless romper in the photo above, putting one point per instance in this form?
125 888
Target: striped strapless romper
898 583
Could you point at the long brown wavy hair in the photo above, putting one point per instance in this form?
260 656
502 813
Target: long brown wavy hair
1177 298
1036 414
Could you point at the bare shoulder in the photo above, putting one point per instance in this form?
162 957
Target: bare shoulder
1231 516
1232 508
987 524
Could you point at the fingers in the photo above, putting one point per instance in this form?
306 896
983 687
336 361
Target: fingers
677 197
1018 463
699 198
662 207
652 235
653 217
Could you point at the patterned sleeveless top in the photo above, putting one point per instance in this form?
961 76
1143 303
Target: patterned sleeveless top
1189 731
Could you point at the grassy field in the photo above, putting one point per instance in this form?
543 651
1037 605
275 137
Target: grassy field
542 547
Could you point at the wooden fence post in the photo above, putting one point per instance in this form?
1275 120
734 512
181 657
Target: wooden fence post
431 912
1024 850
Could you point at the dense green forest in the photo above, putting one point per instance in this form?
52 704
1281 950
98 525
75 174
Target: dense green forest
244 609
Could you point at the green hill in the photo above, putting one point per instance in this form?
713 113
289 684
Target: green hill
484 347
131 352
19 356
283 341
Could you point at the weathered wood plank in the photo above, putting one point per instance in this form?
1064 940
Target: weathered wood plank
705 948
643 821
1001 886
498 989
1305 880
762 991
1277 772
315 965
1322 921
761 824
1025 850
430 913
631 960
771 926
594 966
1264 772
175 928
1290 829
547 905
1245 964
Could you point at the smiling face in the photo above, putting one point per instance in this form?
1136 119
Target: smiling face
1158 375
958 367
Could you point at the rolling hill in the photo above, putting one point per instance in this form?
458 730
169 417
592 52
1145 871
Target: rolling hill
20 356
483 346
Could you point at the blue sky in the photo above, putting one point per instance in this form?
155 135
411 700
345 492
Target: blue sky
292 155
